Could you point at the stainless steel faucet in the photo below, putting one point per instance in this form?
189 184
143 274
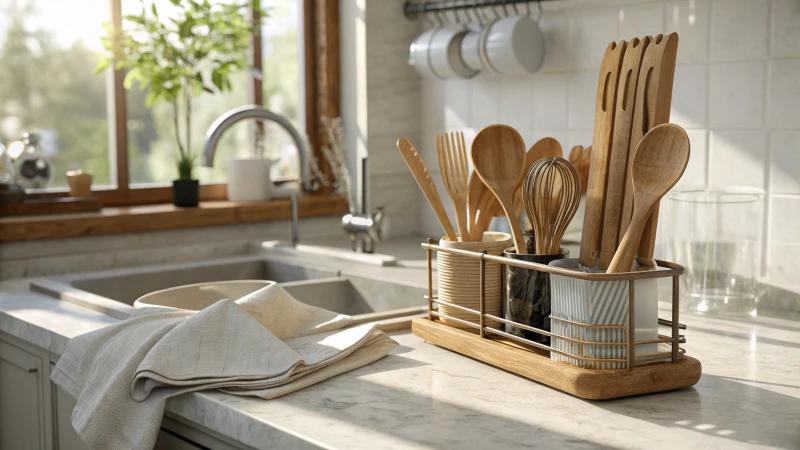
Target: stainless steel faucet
365 229
256 112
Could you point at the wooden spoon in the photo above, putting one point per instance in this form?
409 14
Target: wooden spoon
658 164
498 156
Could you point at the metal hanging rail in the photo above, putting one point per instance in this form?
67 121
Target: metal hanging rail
412 9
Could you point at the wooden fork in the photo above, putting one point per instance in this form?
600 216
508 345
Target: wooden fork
454 169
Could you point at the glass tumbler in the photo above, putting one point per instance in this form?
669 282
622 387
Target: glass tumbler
717 236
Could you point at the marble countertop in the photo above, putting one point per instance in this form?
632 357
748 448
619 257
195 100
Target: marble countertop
422 396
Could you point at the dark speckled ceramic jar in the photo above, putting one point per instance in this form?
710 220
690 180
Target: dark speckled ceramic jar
528 295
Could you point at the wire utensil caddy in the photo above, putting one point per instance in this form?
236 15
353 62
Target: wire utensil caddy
588 375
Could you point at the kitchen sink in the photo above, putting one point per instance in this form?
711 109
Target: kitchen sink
113 292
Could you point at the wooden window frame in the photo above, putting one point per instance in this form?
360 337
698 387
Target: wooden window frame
322 96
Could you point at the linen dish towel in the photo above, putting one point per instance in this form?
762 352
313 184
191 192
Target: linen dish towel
266 344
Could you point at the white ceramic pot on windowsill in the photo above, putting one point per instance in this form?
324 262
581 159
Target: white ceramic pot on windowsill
249 180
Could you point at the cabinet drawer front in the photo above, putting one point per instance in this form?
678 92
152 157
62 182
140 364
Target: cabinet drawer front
21 399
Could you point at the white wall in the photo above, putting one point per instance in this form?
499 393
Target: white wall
736 92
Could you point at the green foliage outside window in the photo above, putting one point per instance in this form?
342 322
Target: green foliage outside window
179 56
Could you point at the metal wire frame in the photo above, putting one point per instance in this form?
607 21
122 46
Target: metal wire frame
668 270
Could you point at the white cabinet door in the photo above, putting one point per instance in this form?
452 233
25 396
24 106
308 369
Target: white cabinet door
21 400
65 436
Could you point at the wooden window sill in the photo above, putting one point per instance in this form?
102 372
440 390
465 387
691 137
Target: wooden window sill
163 217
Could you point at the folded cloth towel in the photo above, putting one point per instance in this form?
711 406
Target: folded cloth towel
266 344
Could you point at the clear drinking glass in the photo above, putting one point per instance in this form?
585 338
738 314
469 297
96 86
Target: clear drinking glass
717 236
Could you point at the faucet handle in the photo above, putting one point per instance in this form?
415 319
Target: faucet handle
382 224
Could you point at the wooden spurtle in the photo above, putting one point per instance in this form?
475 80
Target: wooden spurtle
658 164
420 172
620 146
652 107
601 143
498 156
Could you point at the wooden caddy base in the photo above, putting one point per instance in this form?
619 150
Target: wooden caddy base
535 364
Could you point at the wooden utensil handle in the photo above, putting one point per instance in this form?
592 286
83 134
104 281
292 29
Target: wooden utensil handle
461 220
626 253
647 243
481 225
513 221
423 178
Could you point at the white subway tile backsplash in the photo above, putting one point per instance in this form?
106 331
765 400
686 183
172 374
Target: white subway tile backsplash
784 95
558 34
549 102
582 96
785 162
783 264
458 107
691 20
739 29
785 219
690 96
737 157
516 101
785 28
737 95
695 174
641 21
485 101
593 31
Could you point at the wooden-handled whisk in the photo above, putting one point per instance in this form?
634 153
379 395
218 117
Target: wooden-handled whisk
551 193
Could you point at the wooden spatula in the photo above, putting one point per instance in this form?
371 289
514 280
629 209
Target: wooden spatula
498 156
658 164
618 156
420 172
652 107
601 143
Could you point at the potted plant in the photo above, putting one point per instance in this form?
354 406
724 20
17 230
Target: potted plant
191 49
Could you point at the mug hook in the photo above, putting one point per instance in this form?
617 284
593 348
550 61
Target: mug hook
426 14
455 13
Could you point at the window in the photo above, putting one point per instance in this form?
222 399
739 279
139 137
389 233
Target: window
47 83
49 48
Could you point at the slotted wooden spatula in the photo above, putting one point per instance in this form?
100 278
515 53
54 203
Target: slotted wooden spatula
601 143
618 157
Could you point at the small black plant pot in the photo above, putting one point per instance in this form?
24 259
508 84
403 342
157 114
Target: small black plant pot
185 193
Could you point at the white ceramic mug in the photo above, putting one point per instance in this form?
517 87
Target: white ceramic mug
470 50
444 53
513 46
418 53
249 180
